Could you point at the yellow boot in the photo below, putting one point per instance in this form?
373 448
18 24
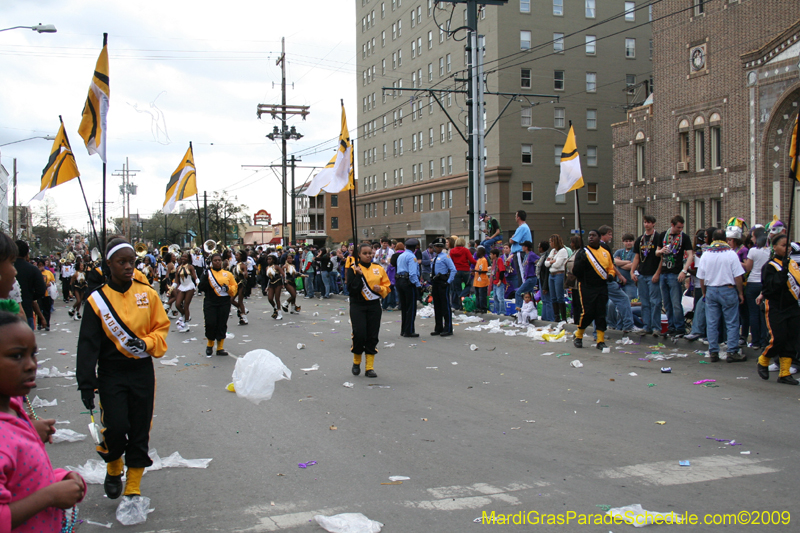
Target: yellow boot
369 368
133 481
763 366
113 482
356 364
785 374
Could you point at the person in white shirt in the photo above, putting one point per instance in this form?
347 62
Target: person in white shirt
198 262
757 257
720 274
67 271
527 313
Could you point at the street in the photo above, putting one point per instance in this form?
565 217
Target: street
508 428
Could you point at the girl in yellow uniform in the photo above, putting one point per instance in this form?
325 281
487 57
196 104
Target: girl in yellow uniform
123 325
594 267
219 287
367 283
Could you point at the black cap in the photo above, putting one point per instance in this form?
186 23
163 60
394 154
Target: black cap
439 242
412 243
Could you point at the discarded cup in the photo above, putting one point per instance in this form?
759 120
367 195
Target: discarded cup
606 350
473 347
576 364
300 345
666 370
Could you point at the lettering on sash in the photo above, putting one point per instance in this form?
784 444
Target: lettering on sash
114 329
221 290
794 274
596 264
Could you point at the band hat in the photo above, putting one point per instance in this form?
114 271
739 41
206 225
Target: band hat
439 242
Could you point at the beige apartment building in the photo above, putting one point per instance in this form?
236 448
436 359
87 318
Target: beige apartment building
410 158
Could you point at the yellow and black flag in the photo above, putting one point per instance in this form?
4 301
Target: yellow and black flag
182 184
61 166
571 177
794 150
338 175
95 112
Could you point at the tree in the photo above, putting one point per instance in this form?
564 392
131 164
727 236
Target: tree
47 227
224 217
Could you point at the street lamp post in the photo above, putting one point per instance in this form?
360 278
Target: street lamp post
40 28
537 128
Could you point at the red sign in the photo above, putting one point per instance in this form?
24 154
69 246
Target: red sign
262 218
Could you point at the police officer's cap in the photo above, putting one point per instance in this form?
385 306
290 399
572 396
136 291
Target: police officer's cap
412 243
439 242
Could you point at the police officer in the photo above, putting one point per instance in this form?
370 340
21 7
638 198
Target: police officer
408 286
443 271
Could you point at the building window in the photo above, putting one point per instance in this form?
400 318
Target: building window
415 204
448 62
431 175
449 164
430 204
699 7
413 48
430 40
558 80
430 71
527 154
630 48
558 7
401 206
396 206
525 78
591 45
683 147
421 203
640 168
413 142
525 116
591 82
716 213
334 222
450 198
430 136
557 152
699 150
401 176
559 114
558 42
384 182
334 200
651 49
385 207
630 81
591 156
639 220
524 40
591 119
527 191
590 9
716 147
449 131
700 213
413 173
524 6
395 177
591 193
366 211
419 166
630 11
444 199
560 198
442 166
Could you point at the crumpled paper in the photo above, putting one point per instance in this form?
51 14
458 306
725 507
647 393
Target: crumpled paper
576 364
67 435
639 517
169 362
465 319
45 372
132 511
348 523
426 312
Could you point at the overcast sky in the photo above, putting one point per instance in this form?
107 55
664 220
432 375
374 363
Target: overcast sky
179 71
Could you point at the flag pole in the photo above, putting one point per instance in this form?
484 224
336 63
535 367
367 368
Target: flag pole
105 234
88 210
794 176
197 199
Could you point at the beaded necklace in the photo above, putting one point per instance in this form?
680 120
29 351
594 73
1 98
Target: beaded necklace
30 408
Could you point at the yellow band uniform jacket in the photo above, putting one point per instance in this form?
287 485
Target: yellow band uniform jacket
219 285
362 288
781 285
594 267
114 315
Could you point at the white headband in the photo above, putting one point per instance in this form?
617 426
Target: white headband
117 248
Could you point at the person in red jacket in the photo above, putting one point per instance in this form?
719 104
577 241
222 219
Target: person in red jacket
464 262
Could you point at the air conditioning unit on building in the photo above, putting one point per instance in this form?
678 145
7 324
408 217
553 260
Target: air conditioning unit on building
683 166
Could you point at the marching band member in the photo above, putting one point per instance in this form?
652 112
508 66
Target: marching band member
594 266
275 282
219 287
240 275
124 326
184 293
291 288
367 283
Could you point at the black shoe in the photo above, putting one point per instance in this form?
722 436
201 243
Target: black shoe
71 312
113 486
736 358
402 334
601 345
222 352
788 380
413 335
356 369
372 374
763 371
578 343
435 333
446 334
714 357
209 350
285 308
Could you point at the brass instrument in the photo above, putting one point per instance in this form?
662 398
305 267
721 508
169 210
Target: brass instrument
212 247
174 249
95 254
140 249
164 250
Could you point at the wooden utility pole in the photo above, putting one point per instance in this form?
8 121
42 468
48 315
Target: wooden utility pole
126 189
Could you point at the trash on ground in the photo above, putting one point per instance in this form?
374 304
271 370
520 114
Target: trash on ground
306 465
38 402
348 523
399 478
255 374
300 345
633 374
454 363
473 347
107 525
230 387
93 472
133 510
745 453
705 381
388 345
169 362
606 350
660 422
52 373
67 435
576 364
227 336
348 385
638 517
684 463
311 369
666 370
174 461
729 442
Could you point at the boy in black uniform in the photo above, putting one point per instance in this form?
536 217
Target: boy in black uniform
594 267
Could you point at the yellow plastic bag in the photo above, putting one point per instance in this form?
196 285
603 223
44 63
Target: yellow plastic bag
230 388
549 337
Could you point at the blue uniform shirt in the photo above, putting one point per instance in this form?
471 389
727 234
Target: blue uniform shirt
442 264
522 234
407 264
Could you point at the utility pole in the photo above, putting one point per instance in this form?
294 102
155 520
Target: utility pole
283 110
205 213
292 196
126 189
14 234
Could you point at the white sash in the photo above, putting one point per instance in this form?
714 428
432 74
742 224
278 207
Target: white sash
793 284
221 290
112 326
596 264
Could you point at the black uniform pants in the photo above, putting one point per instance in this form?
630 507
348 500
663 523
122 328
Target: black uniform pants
594 302
65 282
784 326
407 293
45 306
366 322
216 318
126 410
440 290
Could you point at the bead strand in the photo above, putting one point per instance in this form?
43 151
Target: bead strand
68 525
30 408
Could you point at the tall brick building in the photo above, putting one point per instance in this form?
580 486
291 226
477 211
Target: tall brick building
412 175
714 141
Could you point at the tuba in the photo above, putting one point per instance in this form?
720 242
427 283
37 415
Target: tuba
140 249
174 249
211 246
164 250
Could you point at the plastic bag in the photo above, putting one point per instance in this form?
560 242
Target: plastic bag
67 435
38 402
52 291
348 523
255 374
132 511
639 517
93 472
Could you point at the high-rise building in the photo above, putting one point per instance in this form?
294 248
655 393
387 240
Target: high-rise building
410 156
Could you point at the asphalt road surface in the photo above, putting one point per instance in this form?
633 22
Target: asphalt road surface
508 428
